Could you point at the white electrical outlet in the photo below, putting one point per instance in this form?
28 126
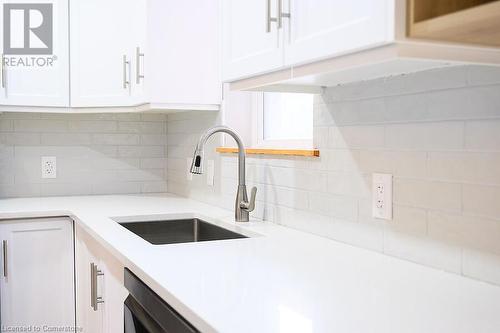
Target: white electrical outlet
382 196
189 175
210 172
49 167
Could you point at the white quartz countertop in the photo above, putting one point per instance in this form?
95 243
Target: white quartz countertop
281 280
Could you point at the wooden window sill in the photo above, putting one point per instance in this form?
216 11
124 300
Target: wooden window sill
270 151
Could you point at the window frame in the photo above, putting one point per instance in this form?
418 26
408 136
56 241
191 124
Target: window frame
258 140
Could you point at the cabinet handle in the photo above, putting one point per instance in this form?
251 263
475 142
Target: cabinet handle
126 63
281 14
4 246
138 75
94 299
269 18
4 81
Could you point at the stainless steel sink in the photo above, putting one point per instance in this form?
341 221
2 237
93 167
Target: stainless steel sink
179 231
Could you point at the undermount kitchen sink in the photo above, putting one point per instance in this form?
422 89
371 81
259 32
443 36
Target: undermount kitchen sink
179 231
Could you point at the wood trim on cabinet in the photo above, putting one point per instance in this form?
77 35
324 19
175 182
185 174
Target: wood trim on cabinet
477 23
270 151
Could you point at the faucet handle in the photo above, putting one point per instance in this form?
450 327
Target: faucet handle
250 205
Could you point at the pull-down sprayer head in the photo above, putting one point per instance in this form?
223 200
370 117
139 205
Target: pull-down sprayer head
197 164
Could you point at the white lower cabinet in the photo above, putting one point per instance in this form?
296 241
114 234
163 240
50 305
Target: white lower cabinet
37 282
100 292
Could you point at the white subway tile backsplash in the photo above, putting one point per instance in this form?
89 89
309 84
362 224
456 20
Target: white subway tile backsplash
469 167
19 139
482 200
141 127
481 75
428 194
405 108
93 157
478 233
482 135
6 125
338 206
349 137
92 126
142 151
116 139
399 163
39 125
425 136
408 220
356 185
66 139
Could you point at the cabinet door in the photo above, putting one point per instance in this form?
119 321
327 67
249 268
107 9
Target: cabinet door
108 316
324 28
248 48
190 74
87 318
114 293
35 53
101 52
37 286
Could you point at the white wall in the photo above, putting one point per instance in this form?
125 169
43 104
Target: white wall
96 154
438 132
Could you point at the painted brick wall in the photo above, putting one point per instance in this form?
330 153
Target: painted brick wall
437 132
96 154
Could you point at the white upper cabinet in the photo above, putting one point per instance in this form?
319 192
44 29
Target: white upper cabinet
252 41
318 43
264 35
325 28
125 55
184 54
35 67
104 38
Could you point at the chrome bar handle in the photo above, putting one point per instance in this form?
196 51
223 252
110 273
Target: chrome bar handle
138 75
94 299
4 81
4 248
281 14
269 19
126 63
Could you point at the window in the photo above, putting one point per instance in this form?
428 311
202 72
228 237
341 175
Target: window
284 120
270 120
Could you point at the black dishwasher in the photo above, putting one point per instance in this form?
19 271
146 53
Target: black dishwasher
146 312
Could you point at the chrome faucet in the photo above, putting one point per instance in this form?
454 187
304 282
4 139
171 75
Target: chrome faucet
243 206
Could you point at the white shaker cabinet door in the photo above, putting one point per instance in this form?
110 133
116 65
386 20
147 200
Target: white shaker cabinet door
37 282
324 28
249 48
35 53
108 289
183 61
102 45
87 318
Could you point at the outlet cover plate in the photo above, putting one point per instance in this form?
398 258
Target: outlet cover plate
382 196
49 167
